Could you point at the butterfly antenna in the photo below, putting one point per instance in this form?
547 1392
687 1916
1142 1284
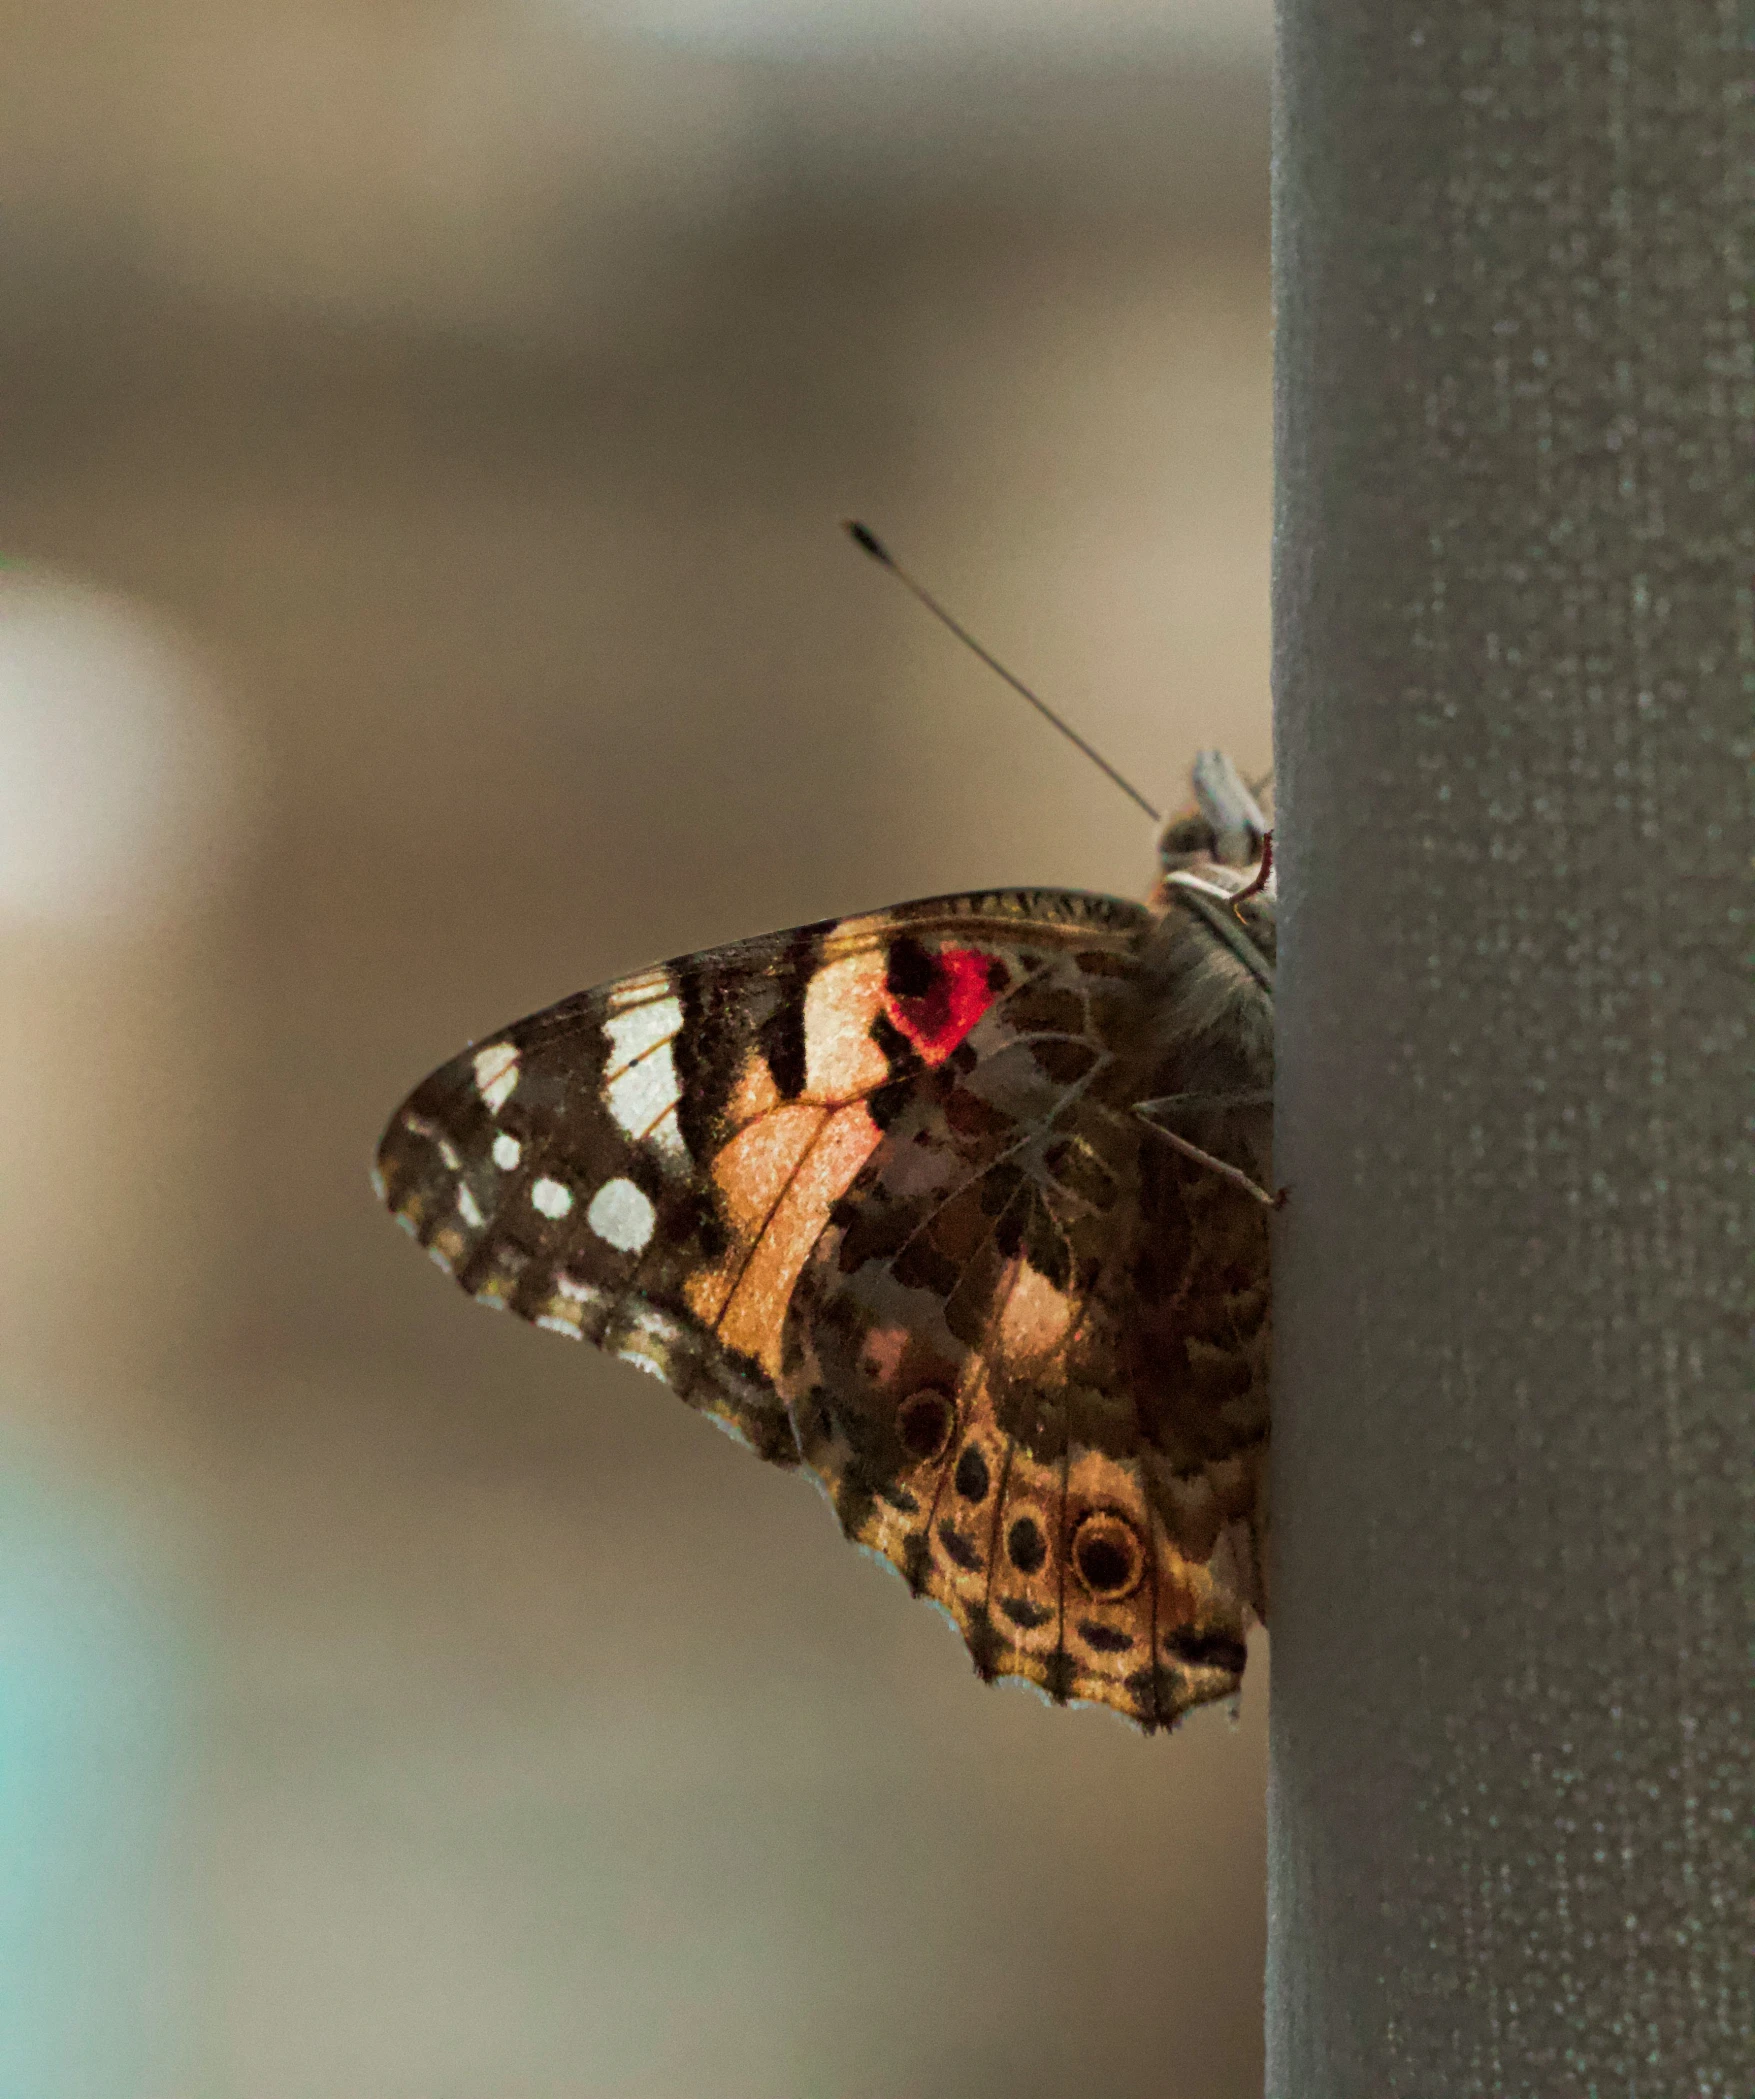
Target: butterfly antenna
864 537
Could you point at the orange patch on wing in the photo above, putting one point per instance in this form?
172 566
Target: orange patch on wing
756 1094
752 1169
841 1060
881 1357
750 1172
752 1320
705 1291
1035 1316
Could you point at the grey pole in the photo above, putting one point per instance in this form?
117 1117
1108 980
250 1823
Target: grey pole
1514 1434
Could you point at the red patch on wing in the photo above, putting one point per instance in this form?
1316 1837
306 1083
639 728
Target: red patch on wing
966 983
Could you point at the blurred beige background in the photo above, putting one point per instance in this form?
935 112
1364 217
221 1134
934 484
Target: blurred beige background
424 426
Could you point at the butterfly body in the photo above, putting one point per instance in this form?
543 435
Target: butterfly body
878 1195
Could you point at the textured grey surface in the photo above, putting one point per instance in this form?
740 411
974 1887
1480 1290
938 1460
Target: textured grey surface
1511 1743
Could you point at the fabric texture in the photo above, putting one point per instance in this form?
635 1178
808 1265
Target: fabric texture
1513 1432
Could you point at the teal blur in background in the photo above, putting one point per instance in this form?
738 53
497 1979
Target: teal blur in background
100 1739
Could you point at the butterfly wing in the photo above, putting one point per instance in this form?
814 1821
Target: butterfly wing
872 1192
1028 1356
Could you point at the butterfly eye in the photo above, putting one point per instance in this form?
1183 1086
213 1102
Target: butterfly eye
1183 839
924 1422
1107 1556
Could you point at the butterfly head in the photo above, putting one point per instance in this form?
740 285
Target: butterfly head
1224 829
1216 860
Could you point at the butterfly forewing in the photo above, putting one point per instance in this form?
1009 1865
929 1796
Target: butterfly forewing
873 1193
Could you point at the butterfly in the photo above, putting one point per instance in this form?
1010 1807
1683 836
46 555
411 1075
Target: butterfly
961 1206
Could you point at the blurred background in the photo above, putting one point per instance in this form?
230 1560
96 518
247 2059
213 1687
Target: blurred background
422 429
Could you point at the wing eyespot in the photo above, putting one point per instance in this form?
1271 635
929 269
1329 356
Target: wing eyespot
1107 1556
924 1422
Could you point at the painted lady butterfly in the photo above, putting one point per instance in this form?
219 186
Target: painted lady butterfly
960 1205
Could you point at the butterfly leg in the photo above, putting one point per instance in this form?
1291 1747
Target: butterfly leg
1262 874
1150 1113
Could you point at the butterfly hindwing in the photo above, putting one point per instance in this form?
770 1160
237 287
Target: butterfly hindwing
1031 1348
873 1193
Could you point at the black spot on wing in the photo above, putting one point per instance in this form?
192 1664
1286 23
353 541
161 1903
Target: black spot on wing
692 1218
1065 1063
920 1266
1106 1639
781 1035
1025 1546
1026 1227
899 1053
958 1548
707 1050
1001 1184
1207 1650
984 1645
1154 1691
889 1101
855 1503
875 1230
911 972
1045 1009
1045 1246
1104 962
782 1043
972 1478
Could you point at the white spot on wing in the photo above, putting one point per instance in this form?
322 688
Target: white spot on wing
666 1138
435 1136
621 1216
507 1152
641 1096
639 1029
552 1198
496 1074
468 1208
